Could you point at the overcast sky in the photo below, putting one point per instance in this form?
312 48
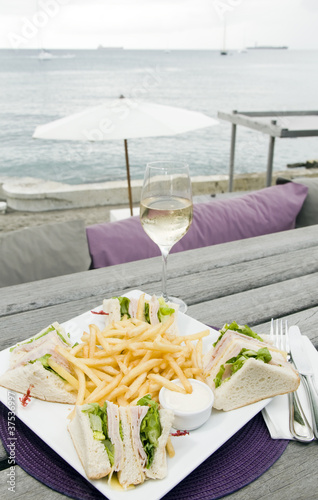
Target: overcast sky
158 24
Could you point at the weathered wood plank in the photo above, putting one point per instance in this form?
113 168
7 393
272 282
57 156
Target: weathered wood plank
292 476
220 282
259 305
64 289
307 321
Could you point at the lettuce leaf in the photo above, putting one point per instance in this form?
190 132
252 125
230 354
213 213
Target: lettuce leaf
147 315
238 361
150 428
246 330
164 310
98 422
218 378
124 305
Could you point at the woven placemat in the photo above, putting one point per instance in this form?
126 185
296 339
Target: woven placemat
222 473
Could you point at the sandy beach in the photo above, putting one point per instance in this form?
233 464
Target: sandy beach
12 220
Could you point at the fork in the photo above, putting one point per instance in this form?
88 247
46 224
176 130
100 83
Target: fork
299 426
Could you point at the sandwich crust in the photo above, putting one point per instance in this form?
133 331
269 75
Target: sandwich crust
91 452
253 382
43 384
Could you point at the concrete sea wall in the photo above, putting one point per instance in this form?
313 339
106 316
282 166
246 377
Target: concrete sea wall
37 195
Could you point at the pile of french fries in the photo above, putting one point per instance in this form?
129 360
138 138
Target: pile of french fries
129 359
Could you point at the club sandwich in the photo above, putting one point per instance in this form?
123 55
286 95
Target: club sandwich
128 440
152 311
242 369
30 367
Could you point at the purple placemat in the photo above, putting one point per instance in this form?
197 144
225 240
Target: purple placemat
242 459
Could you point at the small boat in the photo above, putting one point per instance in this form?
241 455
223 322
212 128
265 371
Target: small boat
45 55
101 47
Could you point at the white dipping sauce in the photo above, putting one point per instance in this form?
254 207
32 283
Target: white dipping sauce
198 400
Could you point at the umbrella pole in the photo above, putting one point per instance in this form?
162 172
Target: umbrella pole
128 177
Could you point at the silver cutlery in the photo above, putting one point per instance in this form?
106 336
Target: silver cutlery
304 367
299 426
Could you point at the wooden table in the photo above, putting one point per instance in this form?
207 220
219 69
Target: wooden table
250 281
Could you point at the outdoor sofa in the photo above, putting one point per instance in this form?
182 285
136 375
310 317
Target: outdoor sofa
62 248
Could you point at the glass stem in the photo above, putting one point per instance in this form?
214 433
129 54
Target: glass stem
164 253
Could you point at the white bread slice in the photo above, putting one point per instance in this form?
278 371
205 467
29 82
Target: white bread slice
158 468
131 472
253 382
21 350
46 385
140 313
112 308
91 452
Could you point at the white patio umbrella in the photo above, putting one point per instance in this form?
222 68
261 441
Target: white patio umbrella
123 119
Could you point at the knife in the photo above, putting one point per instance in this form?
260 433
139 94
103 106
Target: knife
304 367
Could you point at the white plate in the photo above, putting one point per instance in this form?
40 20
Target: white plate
49 421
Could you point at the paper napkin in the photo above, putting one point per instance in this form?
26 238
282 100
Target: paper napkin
276 413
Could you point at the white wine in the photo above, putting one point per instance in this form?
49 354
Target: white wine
166 218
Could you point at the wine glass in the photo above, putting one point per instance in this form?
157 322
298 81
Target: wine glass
166 210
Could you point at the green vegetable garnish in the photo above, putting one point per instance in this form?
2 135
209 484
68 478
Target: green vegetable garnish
164 310
246 330
124 305
218 378
150 429
238 361
147 315
98 422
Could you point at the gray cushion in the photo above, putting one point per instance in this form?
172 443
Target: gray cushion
40 252
308 214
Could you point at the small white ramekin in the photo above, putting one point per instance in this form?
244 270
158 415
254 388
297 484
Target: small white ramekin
188 420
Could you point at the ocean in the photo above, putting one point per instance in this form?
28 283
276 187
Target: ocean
35 92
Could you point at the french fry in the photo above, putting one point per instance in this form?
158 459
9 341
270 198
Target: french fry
141 367
155 346
135 386
92 340
82 391
129 359
79 364
170 449
166 383
194 336
104 390
181 376
119 391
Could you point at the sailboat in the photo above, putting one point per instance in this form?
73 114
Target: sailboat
223 51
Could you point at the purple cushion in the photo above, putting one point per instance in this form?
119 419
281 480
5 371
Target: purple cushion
266 211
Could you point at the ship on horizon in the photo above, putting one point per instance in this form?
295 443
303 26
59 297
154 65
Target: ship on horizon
101 47
268 47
